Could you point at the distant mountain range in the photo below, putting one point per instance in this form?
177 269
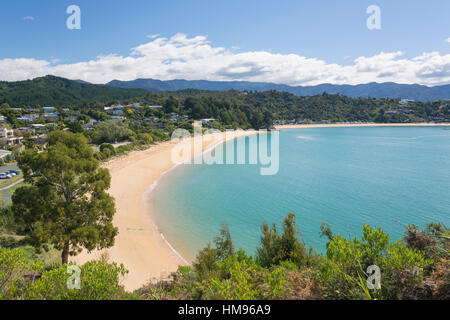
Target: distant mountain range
56 91
375 90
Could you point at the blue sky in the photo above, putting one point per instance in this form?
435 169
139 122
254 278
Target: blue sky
333 32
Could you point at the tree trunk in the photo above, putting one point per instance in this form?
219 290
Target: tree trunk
65 254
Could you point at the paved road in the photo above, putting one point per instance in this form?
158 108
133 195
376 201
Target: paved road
13 166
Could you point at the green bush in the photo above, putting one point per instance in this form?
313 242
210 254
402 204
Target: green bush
276 247
107 149
343 271
99 281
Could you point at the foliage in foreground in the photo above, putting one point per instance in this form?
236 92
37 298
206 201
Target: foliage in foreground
416 267
22 278
285 269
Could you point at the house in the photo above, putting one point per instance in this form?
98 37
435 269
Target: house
32 110
7 137
41 142
26 129
6 133
207 120
88 126
118 112
151 119
134 105
38 126
2 119
117 118
28 118
70 119
155 107
49 109
51 116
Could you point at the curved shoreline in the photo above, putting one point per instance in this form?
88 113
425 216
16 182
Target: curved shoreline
345 125
140 246
147 193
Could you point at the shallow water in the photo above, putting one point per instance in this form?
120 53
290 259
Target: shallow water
384 177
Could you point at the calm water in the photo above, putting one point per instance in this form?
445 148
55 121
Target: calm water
346 176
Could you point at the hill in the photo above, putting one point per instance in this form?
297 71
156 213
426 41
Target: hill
374 90
55 91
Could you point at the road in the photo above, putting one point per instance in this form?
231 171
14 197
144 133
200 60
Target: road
13 166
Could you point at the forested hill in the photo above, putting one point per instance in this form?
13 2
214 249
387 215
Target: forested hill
374 90
55 91
235 108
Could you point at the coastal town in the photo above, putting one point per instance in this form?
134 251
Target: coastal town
224 159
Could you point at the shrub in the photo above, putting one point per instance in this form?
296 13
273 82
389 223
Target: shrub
99 281
276 247
107 149
14 266
343 271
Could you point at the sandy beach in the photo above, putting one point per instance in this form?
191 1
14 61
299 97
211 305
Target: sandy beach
139 246
336 125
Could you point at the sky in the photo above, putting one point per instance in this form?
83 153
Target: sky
295 42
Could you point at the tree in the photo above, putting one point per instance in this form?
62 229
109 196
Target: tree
75 127
276 248
171 105
224 243
65 202
111 131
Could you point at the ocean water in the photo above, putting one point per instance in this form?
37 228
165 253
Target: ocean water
386 177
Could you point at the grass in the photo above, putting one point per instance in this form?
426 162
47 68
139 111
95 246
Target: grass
49 258
10 191
7 182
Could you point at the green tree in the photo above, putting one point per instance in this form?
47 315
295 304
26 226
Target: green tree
276 247
171 105
65 202
111 131
75 127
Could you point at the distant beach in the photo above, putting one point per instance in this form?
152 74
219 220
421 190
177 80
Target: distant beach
336 125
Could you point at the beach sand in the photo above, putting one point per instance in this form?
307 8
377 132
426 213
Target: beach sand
139 246
337 125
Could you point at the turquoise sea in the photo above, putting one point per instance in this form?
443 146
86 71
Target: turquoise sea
383 176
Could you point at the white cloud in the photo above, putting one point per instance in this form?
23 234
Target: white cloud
181 57
30 18
447 40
